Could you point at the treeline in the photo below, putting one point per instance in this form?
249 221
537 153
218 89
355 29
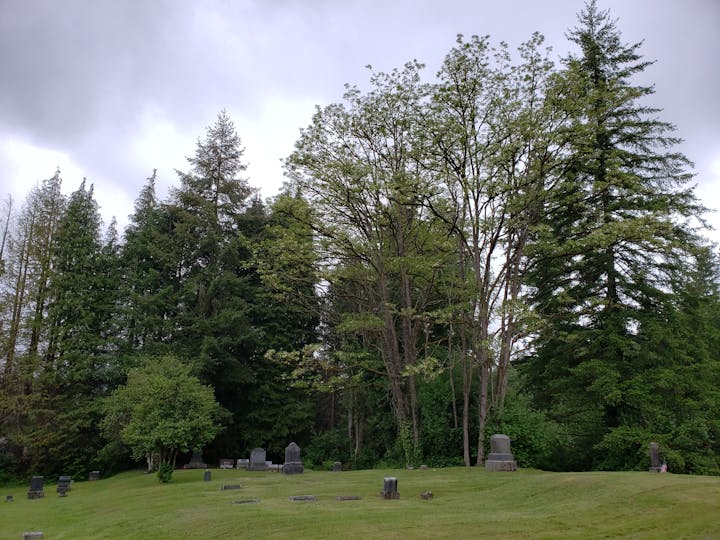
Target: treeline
512 247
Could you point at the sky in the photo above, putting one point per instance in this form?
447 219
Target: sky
112 89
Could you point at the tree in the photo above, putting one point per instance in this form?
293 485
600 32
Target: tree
616 228
162 410
359 168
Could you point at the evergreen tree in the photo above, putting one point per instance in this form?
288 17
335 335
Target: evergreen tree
616 229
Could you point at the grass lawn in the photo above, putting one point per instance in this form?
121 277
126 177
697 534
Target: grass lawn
467 503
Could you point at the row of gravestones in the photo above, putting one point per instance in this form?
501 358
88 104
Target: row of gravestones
258 462
36 490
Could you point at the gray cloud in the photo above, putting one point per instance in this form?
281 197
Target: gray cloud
79 76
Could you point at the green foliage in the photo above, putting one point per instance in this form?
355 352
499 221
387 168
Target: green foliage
162 410
164 472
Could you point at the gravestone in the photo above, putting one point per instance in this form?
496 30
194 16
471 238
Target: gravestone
196 462
227 464
655 460
9 498
500 457
390 488
32 535
243 463
94 475
257 460
293 463
337 467
207 476
36 487
297 498
64 485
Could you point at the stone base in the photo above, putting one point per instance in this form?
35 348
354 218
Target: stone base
36 494
293 467
258 467
500 466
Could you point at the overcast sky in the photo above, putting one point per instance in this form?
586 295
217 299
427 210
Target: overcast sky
110 89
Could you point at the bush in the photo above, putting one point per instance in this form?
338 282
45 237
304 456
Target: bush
165 472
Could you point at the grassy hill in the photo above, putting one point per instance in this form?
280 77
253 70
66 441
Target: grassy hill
467 503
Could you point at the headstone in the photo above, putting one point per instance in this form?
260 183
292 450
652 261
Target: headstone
196 462
36 487
348 498
246 501
243 463
9 498
500 457
257 460
655 461
32 535
424 467
390 488
293 463
227 464
94 475
303 498
426 495
64 485
337 467
207 476
230 486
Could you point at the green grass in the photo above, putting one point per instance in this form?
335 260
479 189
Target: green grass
467 503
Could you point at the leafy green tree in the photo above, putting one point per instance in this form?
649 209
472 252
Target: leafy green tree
162 410
617 227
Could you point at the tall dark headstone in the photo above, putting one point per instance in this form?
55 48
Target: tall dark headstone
500 457
257 460
207 476
655 460
36 487
64 485
293 463
390 490
196 462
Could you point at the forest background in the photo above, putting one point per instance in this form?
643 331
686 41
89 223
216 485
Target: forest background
513 246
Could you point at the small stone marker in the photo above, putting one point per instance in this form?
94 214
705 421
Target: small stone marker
655 462
32 535
246 501
207 476
426 495
257 460
227 464
231 486
500 457
243 463
423 467
348 498
337 467
293 463
94 475
9 498
390 488
36 487
297 498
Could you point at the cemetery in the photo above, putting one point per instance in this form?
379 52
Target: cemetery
452 502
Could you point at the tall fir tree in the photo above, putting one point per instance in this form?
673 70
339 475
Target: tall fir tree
616 229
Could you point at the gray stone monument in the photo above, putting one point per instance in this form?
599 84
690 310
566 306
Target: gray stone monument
227 464
243 463
293 463
257 460
196 462
655 460
94 475
36 487
207 476
337 467
64 485
32 535
390 488
500 457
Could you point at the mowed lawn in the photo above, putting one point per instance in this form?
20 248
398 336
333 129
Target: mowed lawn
466 503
